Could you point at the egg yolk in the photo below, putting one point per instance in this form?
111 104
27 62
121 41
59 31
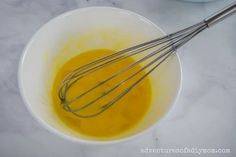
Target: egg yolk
123 115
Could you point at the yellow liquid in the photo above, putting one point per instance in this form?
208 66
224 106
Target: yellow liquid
119 118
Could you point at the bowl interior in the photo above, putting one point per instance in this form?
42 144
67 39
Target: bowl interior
43 56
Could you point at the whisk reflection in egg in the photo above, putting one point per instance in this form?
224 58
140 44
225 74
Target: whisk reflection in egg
162 49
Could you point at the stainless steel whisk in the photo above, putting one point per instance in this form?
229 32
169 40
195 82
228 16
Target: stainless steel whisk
165 47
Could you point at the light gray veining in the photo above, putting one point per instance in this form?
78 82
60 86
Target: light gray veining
203 117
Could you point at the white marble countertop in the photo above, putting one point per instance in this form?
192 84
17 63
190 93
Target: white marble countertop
203 117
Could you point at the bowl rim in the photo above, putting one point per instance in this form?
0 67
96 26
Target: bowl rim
77 139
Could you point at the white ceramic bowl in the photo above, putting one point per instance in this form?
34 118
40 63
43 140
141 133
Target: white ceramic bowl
38 60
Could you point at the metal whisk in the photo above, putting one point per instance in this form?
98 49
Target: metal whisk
164 48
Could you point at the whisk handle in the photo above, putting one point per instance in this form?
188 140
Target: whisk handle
220 15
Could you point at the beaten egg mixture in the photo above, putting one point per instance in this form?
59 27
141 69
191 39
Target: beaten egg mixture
124 115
